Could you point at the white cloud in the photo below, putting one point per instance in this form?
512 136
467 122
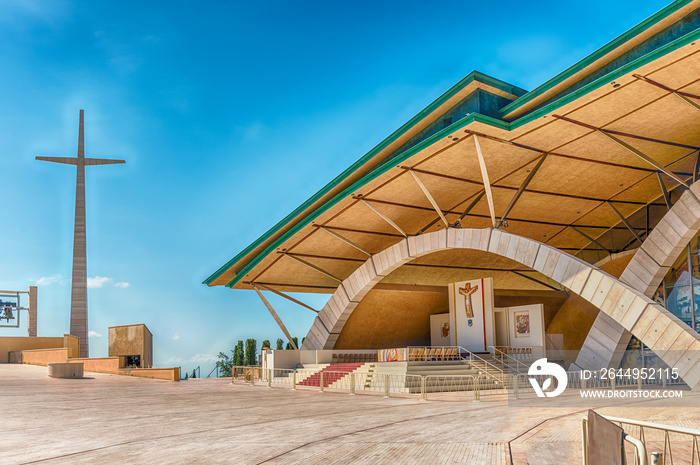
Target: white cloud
176 336
97 281
122 285
203 358
94 334
46 280
198 359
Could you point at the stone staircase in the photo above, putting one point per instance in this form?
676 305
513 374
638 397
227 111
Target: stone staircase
332 374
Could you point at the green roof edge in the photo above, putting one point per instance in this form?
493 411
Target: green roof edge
473 76
681 41
601 52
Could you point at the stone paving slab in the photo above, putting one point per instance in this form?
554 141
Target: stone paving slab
120 419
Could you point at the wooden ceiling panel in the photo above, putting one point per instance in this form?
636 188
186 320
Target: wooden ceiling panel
410 220
553 135
289 271
359 216
662 154
402 189
684 164
595 146
501 199
570 239
537 231
605 216
476 222
372 243
644 191
543 207
617 103
461 160
517 178
323 243
581 178
435 276
680 73
668 119
468 258
516 282
692 88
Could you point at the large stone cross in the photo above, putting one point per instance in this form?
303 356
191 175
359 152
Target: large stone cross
78 297
467 292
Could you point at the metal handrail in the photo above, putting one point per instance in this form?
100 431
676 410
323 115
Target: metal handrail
518 362
212 371
472 355
640 446
694 433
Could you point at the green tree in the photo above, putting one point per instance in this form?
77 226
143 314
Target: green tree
224 364
280 344
186 375
289 344
266 344
194 373
251 349
238 354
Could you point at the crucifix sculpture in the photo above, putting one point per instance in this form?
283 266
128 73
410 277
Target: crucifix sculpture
78 296
467 292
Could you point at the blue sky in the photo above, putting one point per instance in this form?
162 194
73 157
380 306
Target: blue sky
229 115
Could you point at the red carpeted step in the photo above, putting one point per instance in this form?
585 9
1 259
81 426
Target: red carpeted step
331 374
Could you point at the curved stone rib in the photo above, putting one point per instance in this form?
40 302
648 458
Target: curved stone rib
606 341
665 334
665 244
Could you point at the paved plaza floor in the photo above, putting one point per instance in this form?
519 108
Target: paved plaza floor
119 419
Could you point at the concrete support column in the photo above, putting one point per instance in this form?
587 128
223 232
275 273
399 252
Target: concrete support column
31 312
78 297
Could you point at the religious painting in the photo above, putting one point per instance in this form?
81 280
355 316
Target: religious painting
522 324
445 329
392 355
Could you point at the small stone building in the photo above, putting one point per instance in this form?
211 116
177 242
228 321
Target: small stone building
132 342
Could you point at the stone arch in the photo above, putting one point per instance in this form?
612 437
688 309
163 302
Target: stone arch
665 334
644 273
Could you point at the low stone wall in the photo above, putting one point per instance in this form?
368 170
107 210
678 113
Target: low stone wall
20 343
43 357
170 374
110 365
99 365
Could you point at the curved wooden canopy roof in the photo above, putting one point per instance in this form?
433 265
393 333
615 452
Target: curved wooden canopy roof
575 163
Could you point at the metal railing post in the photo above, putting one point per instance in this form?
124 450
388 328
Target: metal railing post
386 385
269 378
584 440
352 384
423 390
516 388
476 389
320 382
294 379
